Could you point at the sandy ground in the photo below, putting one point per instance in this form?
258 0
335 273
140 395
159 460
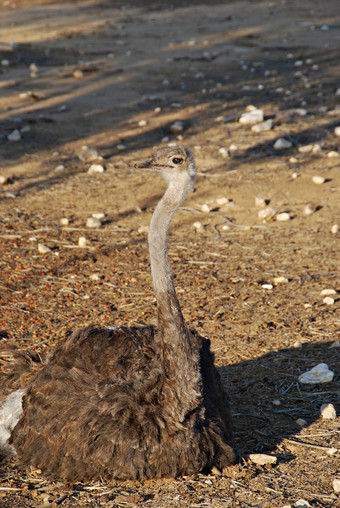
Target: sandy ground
115 76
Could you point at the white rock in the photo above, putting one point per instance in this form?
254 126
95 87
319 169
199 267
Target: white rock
318 180
293 160
95 276
282 217
142 123
177 126
98 215
328 412
336 485
82 241
24 129
316 148
205 208
222 201
233 148
337 93
92 222
224 152
297 344
225 227
337 130
266 213
335 344
14 136
318 374
280 280
64 221
333 154
262 459
328 292
267 286
251 117
309 209
260 202
60 167
301 112
263 126
43 249
328 300
121 147
88 154
282 144
334 229
295 174
96 168
302 503
198 225
276 402
143 229
301 422
305 148
34 68
332 451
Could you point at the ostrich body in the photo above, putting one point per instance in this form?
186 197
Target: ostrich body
131 403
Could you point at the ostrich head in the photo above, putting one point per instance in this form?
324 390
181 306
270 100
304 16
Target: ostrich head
175 164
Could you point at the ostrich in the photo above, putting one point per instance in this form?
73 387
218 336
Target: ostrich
130 403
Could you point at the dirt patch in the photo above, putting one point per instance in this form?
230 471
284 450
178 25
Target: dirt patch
115 78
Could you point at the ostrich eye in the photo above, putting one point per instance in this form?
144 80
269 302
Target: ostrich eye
177 160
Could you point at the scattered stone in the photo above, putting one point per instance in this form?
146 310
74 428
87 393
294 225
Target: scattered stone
297 344
14 136
95 276
78 74
301 422
263 126
301 112
222 201
334 229
282 144
198 225
318 374
328 412
293 160
336 485
143 229
262 459
337 130
252 117
260 202
305 148
302 503
309 209
333 154
332 451
88 154
4 180
267 213
96 168
282 217
335 344
233 149
318 180
142 123
224 152
267 286
121 147
92 222
337 93
98 215
276 402
205 208
280 280
328 300
328 292
64 221
82 241
177 127
43 249
60 167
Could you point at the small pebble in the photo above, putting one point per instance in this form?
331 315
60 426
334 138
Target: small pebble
302 503
260 202
95 168
98 215
95 276
34 68
328 300
309 209
224 152
252 117
305 148
177 126
301 422
328 292
143 229
92 222
318 374
263 126
14 136
267 213
282 144
334 229
262 459
318 180
282 217
293 160
64 221
82 241
333 154
335 344
336 485
88 154
78 74
198 225
60 167
297 344
280 280
43 249
205 208
222 201
142 123
4 180
121 147
337 130
328 412
276 402
301 112
267 286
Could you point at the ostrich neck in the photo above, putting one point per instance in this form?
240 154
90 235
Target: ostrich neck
170 319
